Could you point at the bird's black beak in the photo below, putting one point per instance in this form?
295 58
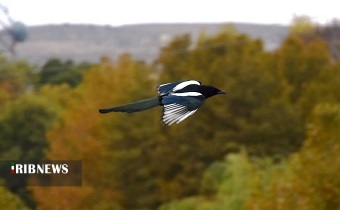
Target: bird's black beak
221 92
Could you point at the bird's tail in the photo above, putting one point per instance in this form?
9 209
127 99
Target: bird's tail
134 107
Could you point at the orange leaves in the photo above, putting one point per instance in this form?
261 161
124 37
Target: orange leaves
82 133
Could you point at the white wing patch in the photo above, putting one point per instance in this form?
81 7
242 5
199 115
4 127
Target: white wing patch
175 113
186 83
163 84
187 94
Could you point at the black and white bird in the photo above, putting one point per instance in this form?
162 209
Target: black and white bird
179 100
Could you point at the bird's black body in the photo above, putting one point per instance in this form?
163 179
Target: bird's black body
206 91
179 100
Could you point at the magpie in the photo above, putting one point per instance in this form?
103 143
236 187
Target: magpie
179 100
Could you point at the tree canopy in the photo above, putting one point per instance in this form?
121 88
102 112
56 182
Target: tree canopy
268 144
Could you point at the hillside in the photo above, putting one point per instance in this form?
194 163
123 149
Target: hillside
90 42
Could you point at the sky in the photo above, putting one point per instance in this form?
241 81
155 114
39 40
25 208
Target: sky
123 12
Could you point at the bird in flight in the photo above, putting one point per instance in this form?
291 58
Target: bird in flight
179 100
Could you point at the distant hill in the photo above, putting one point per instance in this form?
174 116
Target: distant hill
90 42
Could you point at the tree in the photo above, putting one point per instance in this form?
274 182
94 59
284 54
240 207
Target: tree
248 115
323 88
229 184
55 71
309 182
331 35
131 161
10 201
111 151
15 79
301 24
23 124
300 60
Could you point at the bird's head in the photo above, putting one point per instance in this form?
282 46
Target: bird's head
209 91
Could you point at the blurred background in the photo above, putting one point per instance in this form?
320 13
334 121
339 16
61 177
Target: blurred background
271 143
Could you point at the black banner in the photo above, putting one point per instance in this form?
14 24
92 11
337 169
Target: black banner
20 173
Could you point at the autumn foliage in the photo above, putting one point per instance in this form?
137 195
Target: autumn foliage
271 143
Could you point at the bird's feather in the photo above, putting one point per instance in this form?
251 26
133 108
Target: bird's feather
179 100
167 88
135 106
187 94
178 108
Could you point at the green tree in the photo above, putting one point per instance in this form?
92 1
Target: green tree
173 57
323 88
300 61
301 24
10 201
256 110
15 79
55 71
23 124
311 181
229 184
271 97
248 115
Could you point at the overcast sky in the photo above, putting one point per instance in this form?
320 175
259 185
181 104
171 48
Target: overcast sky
121 12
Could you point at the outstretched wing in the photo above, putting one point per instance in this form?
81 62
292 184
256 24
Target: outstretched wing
178 106
171 87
